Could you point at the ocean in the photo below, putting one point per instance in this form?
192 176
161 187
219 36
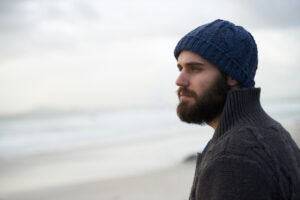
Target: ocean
45 133
42 150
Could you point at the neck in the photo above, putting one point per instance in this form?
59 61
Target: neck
242 106
214 123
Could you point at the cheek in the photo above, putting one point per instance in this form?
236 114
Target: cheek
200 83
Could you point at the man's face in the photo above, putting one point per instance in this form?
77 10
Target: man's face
202 89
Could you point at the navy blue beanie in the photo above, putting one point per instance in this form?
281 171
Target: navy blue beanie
229 47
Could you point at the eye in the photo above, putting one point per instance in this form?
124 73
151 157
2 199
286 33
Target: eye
196 69
180 68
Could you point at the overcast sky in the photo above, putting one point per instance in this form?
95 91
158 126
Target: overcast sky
67 54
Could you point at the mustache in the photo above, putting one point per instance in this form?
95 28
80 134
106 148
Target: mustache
185 91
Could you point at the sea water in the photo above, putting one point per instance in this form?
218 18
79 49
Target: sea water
59 148
37 133
42 150
43 133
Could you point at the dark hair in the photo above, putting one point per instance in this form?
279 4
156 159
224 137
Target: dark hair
224 75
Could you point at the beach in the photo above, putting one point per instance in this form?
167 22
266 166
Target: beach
79 175
170 183
140 169
145 166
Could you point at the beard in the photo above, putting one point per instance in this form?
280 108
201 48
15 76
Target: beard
207 106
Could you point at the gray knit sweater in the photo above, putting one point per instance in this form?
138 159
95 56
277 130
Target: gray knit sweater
250 157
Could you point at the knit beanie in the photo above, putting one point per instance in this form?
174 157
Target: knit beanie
229 47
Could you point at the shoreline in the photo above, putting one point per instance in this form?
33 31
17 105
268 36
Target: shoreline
168 183
80 174
43 172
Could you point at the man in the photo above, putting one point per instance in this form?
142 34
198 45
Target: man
250 156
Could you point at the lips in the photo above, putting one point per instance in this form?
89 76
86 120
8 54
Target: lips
185 93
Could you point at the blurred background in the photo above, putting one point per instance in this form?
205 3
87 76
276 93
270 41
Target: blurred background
88 94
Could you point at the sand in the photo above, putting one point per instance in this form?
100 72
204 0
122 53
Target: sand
173 182
170 183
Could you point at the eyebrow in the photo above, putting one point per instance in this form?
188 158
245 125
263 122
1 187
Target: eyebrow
192 64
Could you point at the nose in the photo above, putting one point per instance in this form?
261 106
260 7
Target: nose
182 79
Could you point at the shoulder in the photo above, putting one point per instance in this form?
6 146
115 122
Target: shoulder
258 156
240 158
248 145
266 143
233 171
266 147
261 138
239 141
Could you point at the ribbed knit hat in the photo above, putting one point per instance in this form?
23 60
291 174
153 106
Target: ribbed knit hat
229 47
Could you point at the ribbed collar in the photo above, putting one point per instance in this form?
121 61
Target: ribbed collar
242 106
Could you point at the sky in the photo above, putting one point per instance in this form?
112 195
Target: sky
103 55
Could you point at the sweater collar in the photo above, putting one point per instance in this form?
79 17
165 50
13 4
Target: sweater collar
242 106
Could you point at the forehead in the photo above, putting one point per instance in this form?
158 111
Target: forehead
188 56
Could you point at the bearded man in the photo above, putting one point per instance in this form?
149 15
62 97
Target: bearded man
250 156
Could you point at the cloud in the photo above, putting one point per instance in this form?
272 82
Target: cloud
89 53
273 14
278 66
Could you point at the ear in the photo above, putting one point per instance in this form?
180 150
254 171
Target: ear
232 83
